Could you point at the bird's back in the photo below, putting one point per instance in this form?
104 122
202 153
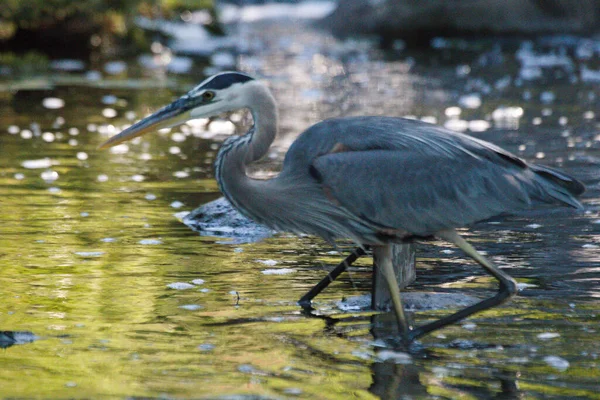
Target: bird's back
418 177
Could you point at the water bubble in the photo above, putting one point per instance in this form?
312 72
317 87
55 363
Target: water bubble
556 362
49 175
191 307
48 137
470 101
180 286
180 65
277 271
396 357
26 134
115 67
82 156
109 99
507 117
138 178
34 164
524 285
93 75
198 281
53 103
92 127
430 119
150 197
206 347
119 149
89 254
102 178
590 246
174 150
452 112
150 241
463 70
469 326
530 73
267 262
54 190
222 59
536 121
19 176
84 214
246 368
540 155
73 142
589 115
219 127
178 137
109 113
548 335
479 125
177 204
547 97
458 125
68 65
73 131
13 129
181 174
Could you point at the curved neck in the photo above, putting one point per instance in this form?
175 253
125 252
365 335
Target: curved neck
262 105
246 194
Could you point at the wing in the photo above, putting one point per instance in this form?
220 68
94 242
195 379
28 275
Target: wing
422 193
387 133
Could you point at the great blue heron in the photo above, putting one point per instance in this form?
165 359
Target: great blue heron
375 180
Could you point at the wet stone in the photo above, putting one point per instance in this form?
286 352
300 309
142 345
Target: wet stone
180 286
219 218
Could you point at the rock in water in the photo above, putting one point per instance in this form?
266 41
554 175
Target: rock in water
219 218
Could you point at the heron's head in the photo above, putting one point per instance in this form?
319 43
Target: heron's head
218 94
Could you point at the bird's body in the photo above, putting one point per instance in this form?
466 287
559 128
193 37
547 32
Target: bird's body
375 180
363 178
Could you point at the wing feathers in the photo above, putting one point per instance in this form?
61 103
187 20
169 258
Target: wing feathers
421 194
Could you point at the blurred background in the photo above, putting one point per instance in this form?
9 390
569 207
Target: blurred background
108 293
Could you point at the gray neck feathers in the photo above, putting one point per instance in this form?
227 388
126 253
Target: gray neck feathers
264 113
246 194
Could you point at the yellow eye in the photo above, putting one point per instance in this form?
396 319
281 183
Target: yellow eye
207 96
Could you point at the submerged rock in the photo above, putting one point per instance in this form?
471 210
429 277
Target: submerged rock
413 301
219 218
11 338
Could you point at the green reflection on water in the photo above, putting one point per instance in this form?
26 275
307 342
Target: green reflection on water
74 271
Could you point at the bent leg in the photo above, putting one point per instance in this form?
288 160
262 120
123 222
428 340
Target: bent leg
319 287
507 289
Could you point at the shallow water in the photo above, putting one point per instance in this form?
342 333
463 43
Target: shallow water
124 300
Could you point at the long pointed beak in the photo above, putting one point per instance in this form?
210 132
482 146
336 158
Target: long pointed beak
174 114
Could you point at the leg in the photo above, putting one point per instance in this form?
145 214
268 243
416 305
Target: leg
508 287
383 254
319 287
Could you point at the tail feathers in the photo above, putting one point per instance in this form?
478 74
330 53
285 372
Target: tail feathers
560 186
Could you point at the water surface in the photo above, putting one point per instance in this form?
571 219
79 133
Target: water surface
124 300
